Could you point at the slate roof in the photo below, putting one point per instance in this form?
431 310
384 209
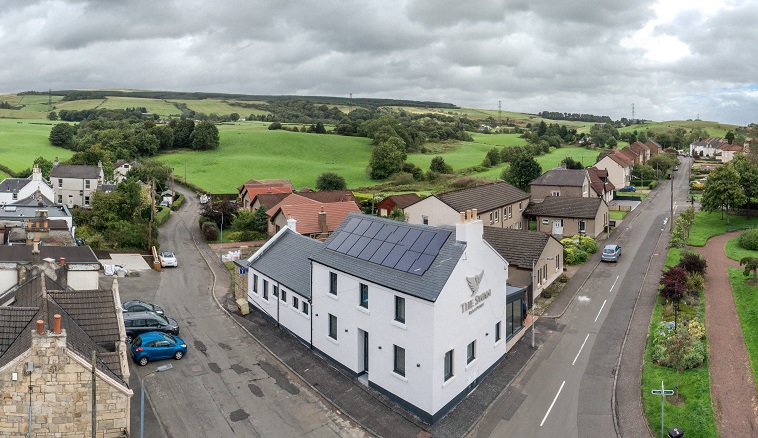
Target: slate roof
520 248
13 185
286 261
561 177
75 171
427 286
72 254
307 215
88 317
561 206
404 200
33 201
483 198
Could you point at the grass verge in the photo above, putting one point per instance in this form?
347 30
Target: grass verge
746 301
735 252
707 225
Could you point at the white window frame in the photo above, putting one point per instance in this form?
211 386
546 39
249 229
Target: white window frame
333 283
497 216
448 366
399 370
332 327
471 352
399 313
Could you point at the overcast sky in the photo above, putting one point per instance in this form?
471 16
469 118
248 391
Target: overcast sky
672 59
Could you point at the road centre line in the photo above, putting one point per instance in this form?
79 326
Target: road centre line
600 311
580 349
614 283
553 403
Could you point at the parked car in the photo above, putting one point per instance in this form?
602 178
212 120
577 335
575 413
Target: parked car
168 259
628 189
152 346
165 203
676 168
137 323
141 306
79 241
611 253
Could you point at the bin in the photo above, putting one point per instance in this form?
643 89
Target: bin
676 432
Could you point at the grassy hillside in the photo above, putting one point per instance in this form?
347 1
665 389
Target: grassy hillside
21 141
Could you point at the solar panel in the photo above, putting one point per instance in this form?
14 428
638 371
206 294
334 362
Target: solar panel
382 252
362 227
422 264
369 250
397 235
385 231
359 246
436 244
373 229
394 256
422 241
354 222
410 238
407 260
348 243
337 241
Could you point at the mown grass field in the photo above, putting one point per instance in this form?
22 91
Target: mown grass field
21 141
208 106
746 301
707 225
153 106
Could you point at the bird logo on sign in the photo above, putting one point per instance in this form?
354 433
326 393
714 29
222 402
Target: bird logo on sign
473 282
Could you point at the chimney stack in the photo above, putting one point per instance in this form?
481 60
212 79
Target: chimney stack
291 223
40 327
470 229
322 221
57 326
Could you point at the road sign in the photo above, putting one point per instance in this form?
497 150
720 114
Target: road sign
664 392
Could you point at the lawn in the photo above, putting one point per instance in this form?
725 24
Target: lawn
707 225
746 301
248 152
695 415
617 214
21 141
735 252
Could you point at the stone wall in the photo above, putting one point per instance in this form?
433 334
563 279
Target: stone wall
61 394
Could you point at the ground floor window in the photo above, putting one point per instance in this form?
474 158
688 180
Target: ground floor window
471 352
514 317
448 365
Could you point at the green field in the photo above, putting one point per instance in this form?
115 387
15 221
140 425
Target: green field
256 153
21 141
153 106
208 106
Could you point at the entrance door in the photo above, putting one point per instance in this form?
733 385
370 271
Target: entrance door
558 226
365 352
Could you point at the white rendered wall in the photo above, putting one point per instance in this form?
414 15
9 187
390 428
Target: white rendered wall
83 280
437 211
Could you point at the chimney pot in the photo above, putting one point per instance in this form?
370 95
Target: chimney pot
473 214
463 216
57 326
40 326
63 261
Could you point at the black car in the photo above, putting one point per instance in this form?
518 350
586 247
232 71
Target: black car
141 306
137 323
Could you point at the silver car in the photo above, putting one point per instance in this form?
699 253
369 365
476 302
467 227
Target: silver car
611 253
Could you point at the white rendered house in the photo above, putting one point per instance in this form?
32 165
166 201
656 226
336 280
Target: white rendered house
422 312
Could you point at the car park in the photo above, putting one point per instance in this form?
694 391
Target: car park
141 306
168 258
137 323
152 346
628 189
611 253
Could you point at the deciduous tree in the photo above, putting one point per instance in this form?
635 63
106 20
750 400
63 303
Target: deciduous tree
386 158
205 136
522 171
722 189
330 181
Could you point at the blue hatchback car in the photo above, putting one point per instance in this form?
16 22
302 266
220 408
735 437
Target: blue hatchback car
152 346
611 253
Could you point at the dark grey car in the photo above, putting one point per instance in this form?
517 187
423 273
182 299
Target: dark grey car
137 323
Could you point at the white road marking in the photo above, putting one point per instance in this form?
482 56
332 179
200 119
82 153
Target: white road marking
614 283
582 298
580 349
553 403
601 309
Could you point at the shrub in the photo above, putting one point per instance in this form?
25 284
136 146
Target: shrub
274 126
210 231
587 244
749 239
692 262
178 202
695 281
685 340
574 256
563 278
161 217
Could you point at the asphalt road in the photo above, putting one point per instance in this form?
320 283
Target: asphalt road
226 385
567 388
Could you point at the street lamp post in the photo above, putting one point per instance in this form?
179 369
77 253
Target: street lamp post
142 397
534 265
221 236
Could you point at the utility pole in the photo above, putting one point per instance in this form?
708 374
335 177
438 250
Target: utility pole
500 111
671 223
350 105
632 112
152 212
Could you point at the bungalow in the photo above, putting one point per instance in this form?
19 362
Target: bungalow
562 216
534 258
498 204
421 313
386 205
316 220
247 192
572 183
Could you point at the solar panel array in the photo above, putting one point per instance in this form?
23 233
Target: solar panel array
395 246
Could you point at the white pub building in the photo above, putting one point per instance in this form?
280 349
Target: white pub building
420 313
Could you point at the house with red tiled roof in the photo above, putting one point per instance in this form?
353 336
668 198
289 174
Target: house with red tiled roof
601 186
268 200
329 195
618 166
633 156
655 147
728 151
642 150
248 191
386 205
314 219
